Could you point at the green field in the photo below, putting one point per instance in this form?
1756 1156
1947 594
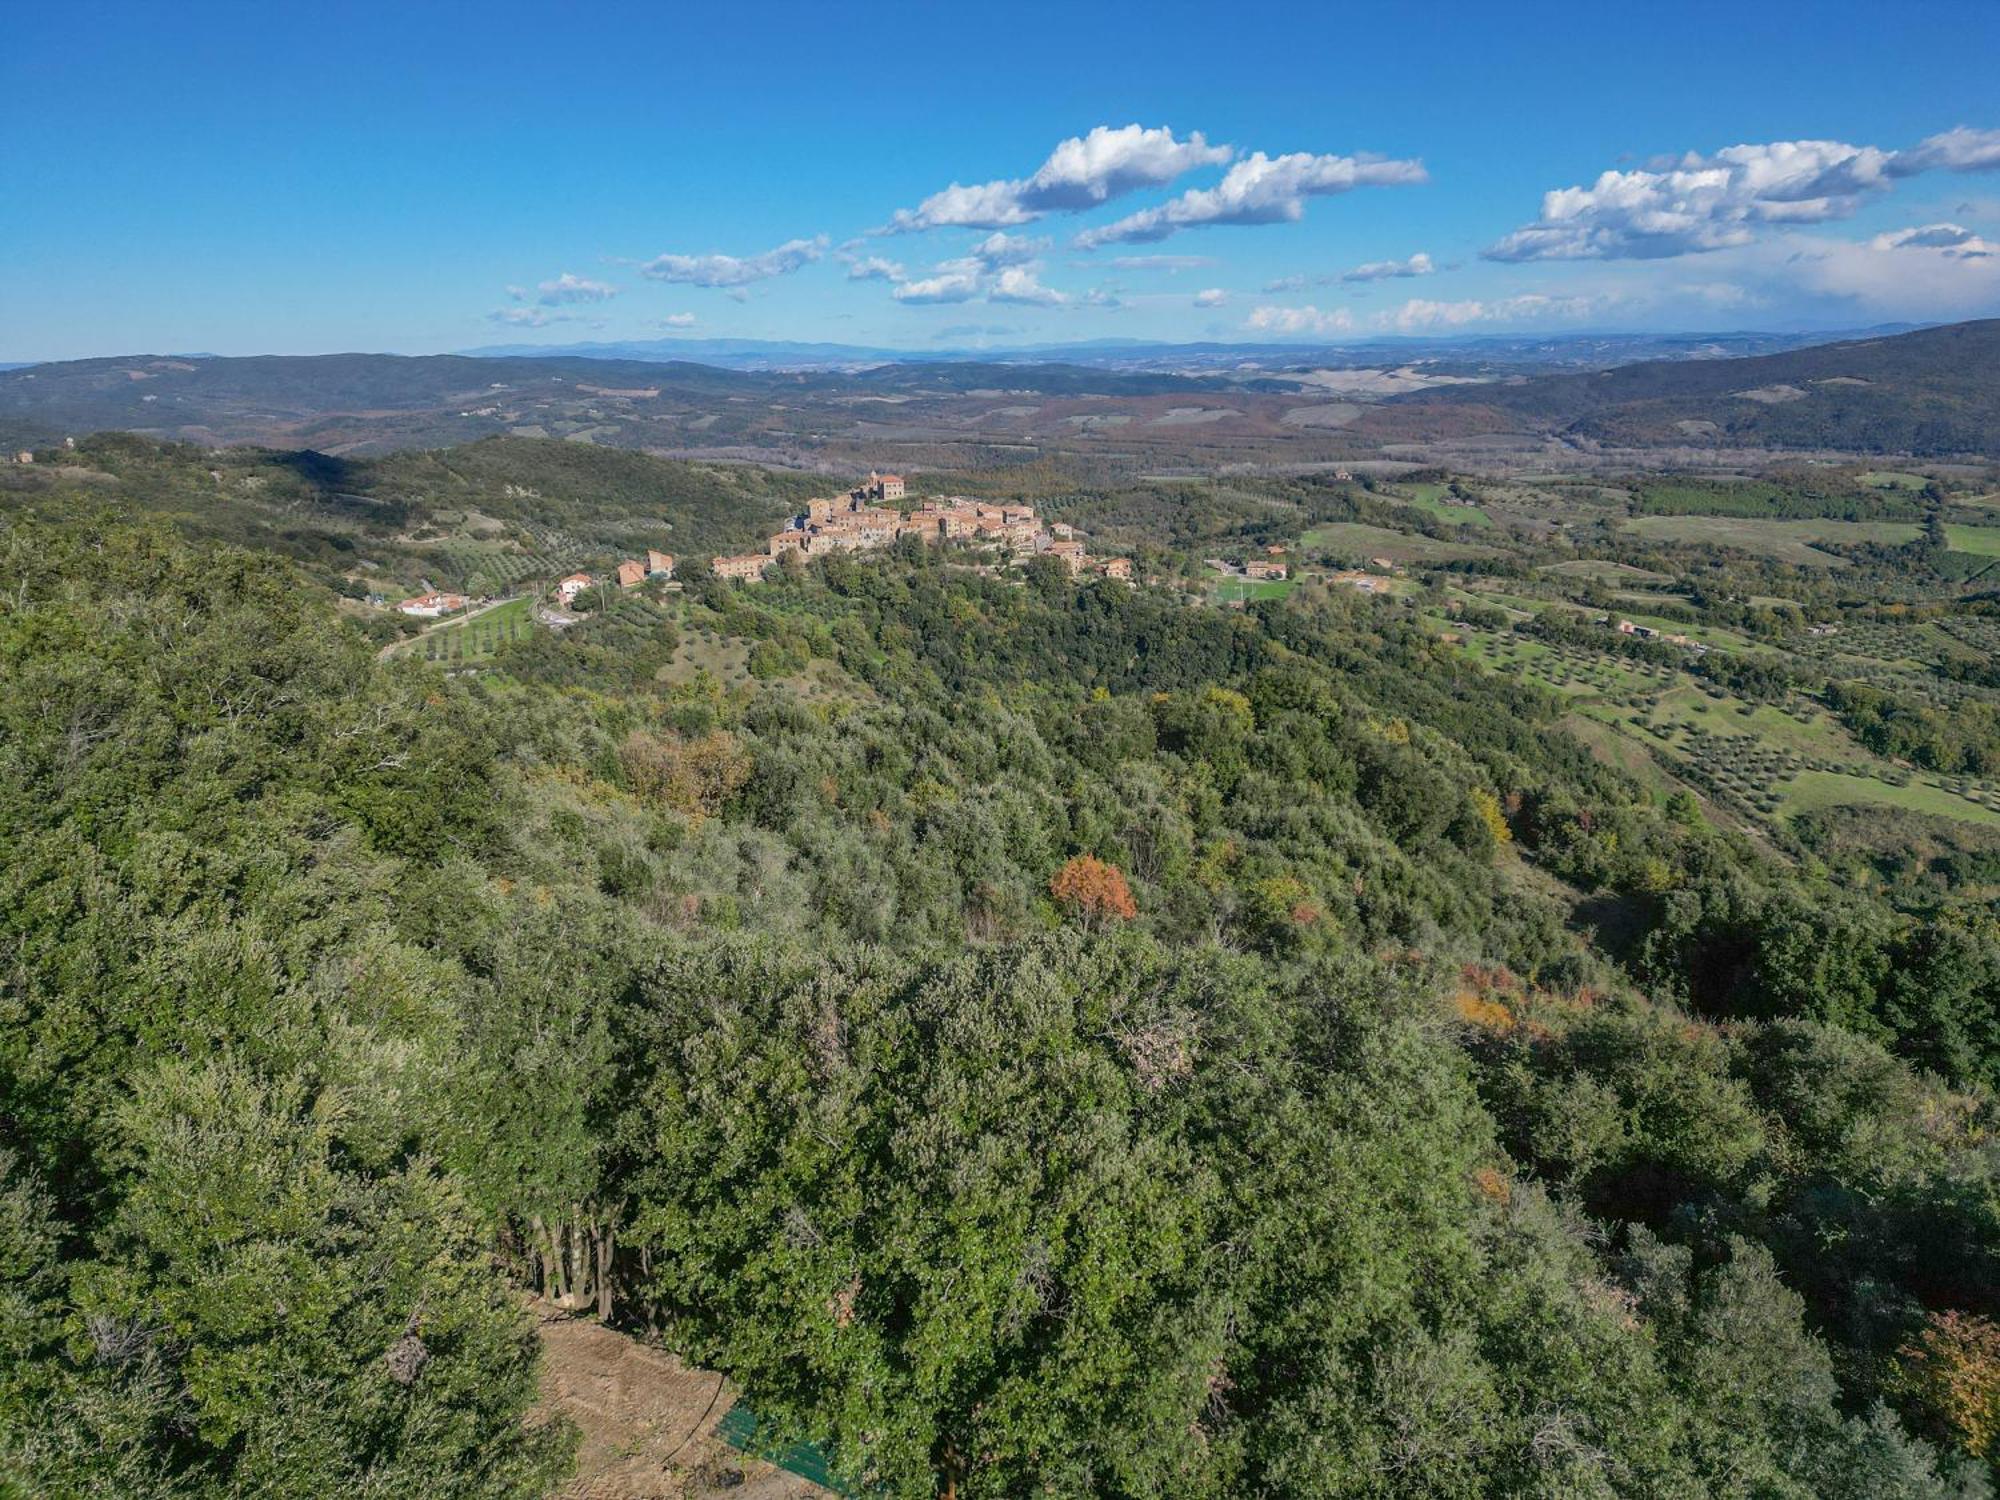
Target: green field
1787 541
1762 760
1816 789
1351 540
476 639
1980 541
1236 590
1432 498
1892 479
1708 635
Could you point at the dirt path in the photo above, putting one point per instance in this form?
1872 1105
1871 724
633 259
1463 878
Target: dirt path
648 1421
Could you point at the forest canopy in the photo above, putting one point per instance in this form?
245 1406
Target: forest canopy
1099 1046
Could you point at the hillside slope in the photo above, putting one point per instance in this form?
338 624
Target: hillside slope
1934 391
375 403
336 401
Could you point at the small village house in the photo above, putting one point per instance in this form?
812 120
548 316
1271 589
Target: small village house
568 588
880 487
631 573
1071 554
431 605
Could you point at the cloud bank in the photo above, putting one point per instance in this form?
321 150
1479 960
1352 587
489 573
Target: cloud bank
1697 204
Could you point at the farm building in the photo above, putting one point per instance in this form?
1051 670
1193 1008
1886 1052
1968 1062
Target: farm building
430 606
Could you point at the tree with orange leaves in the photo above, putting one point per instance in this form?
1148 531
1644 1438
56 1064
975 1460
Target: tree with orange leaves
1094 891
1953 1369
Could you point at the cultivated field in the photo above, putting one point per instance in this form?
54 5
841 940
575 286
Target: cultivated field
1787 541
1352 541
475 639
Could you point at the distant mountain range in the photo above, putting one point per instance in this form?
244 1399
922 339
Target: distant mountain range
1186 407
1576 350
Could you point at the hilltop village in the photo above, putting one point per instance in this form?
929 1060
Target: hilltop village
867 517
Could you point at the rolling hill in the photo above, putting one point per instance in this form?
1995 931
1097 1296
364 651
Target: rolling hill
1935 391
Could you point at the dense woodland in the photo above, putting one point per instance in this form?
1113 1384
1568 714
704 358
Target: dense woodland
1102 1046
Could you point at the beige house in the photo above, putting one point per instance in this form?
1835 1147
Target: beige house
748 566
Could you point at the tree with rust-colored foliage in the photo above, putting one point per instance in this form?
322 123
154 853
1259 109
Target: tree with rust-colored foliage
1094 891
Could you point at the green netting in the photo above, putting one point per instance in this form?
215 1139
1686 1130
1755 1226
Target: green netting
745 1431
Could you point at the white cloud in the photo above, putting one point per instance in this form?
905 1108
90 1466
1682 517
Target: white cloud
1299 320
1259 189
1954 240
1958 150
1286 284
1003 249
1419 314
1080 173
874 268
1022 284
1004 268
677 320
567 289
949 281
1168 263
530 317
1697 204
1384 270
731 270
1214 296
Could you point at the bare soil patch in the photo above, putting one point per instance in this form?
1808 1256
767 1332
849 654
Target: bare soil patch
648 1420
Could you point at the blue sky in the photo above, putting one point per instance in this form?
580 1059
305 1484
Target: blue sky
255 178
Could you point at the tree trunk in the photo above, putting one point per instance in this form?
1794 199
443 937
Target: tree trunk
562 1274
604 1274
546 1258
579 1260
